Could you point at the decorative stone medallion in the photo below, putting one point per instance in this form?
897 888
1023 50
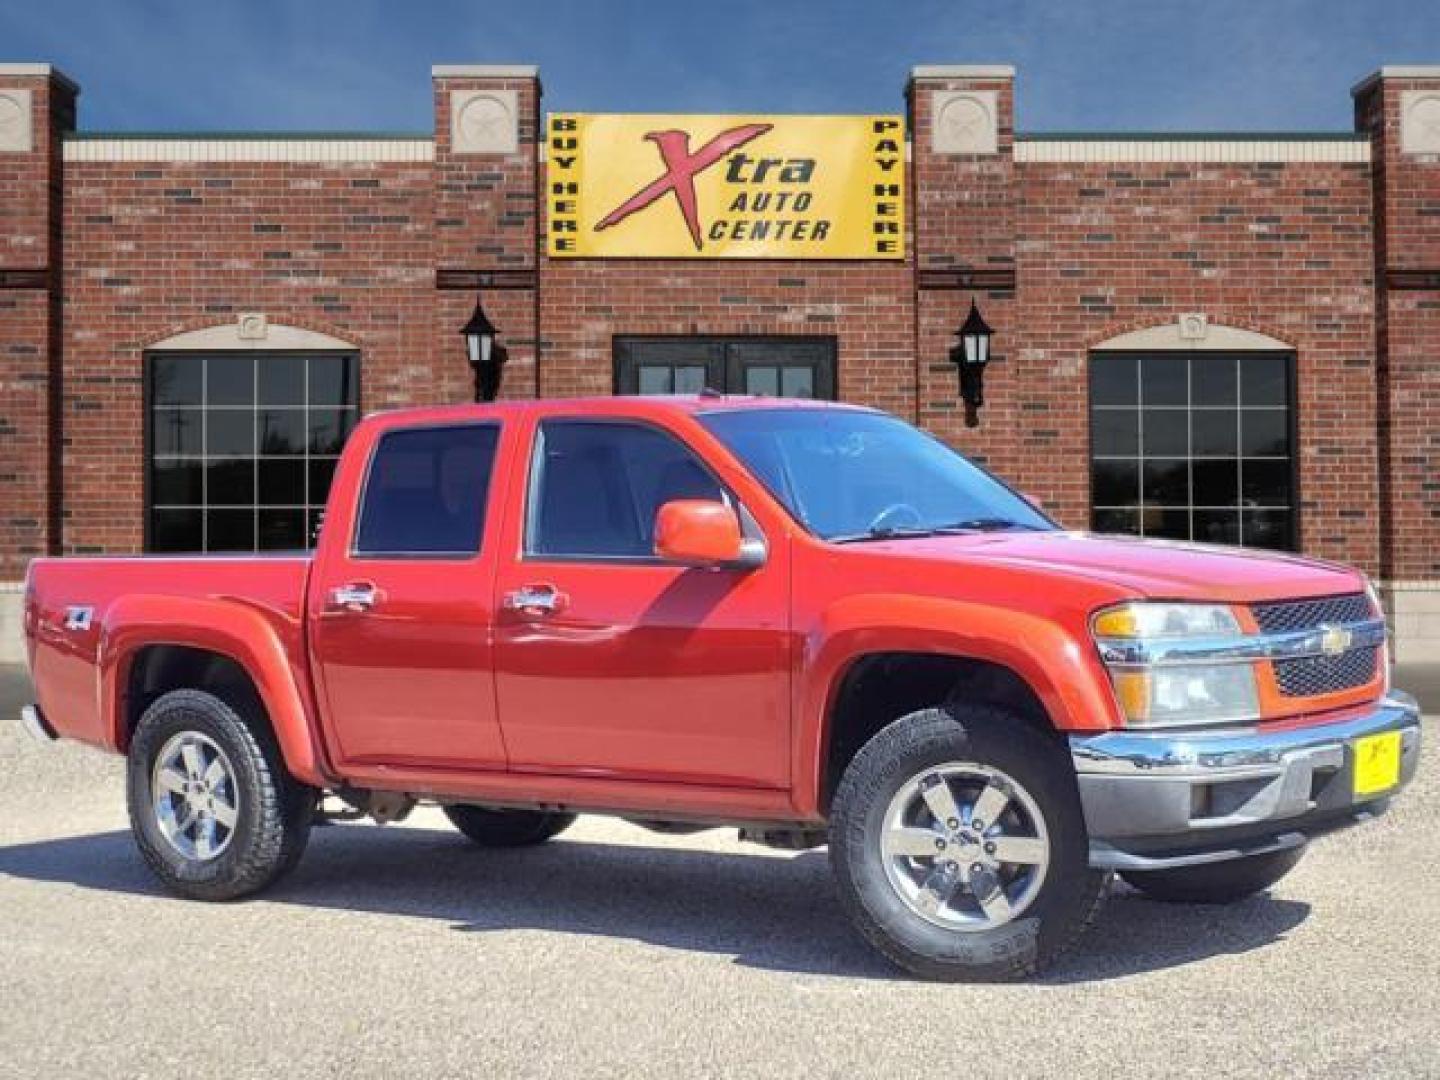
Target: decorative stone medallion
16 135
252 326
1420 121
965 122
1194 326
484 122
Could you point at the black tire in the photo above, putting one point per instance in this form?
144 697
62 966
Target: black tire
1068 897
1216 883
273 810
492 827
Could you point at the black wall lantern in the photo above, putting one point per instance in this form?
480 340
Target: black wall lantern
970 356
486 355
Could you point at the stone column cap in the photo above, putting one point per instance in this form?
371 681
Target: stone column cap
40 71
485 71
962 71
1397 71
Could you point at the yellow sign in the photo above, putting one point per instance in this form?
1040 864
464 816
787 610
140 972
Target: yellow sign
1377 763
727 187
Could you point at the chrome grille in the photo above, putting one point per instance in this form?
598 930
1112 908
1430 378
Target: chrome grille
1326 674
1319 674
1287 615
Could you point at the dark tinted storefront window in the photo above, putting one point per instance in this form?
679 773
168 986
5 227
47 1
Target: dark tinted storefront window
1193 446
793 367
242 447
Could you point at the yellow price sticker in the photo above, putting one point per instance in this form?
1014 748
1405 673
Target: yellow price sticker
1377 763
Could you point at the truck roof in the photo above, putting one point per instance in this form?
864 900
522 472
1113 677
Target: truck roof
637 406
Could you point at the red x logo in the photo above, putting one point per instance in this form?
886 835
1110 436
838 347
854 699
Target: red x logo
681 168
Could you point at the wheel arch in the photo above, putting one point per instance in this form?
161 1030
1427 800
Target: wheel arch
878 688
154 644
863 671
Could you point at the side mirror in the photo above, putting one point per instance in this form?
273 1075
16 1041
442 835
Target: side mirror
701 532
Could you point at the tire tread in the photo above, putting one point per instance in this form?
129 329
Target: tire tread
284 805
865 780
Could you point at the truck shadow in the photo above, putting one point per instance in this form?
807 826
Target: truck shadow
769 912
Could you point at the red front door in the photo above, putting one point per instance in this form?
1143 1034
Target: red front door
611 663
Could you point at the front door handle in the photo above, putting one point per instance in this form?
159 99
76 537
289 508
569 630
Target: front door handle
536 600
356 596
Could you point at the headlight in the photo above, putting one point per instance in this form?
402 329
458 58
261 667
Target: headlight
1166 621
1154 693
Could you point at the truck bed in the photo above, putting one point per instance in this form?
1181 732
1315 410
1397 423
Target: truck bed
70 604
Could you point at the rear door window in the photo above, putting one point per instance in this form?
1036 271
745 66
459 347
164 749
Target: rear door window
427 491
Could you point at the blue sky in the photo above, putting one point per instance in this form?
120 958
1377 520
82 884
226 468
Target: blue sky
364 64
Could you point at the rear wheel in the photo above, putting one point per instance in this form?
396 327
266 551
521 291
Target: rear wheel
213 811
959 845
1216 883
491 827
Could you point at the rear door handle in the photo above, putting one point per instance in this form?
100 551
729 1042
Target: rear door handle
536 600
356 596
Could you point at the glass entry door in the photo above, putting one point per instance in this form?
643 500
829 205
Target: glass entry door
797 367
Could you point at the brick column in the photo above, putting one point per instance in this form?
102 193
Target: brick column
486 207
963 207
1400 108
37 105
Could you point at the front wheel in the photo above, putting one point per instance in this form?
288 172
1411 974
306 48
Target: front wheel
1216 883
959 846
213 810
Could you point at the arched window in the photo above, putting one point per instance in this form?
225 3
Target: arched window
1194 441
241 442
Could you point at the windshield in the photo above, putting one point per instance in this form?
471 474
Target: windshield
849 476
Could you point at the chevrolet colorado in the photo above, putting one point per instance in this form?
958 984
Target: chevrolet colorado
809 621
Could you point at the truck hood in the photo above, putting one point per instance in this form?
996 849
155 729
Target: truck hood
1162 569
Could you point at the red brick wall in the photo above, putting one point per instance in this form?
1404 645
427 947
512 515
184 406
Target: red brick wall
1281 249
1063 257
963 204
965 226
30 194
154 249
1407 204
486 218
350 249
867 307
1100 249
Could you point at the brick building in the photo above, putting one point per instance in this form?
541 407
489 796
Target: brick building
1220 337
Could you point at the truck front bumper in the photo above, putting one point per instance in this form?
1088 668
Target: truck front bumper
1160 799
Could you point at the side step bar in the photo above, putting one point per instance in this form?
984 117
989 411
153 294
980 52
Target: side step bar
34 722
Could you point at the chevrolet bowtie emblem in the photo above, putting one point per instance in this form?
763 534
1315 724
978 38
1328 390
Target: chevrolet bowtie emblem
1334 640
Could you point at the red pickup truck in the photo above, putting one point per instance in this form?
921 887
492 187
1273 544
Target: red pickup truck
812 622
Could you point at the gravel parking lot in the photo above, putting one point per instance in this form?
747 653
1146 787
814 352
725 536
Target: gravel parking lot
616 952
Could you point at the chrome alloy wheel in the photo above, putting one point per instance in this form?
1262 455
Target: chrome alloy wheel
964 846
194 795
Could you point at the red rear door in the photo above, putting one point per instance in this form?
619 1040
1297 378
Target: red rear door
400 604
